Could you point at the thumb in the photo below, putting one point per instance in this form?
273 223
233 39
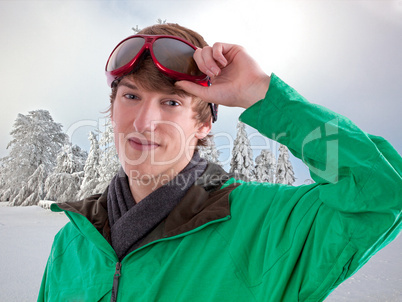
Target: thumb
192 88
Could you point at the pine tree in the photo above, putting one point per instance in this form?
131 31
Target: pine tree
65 182
2 175
136 29
63 187
242 155
22 194
265 167
34 189
36 184
109 163
284 168
91 173
209 152
70 159
36 141
31 191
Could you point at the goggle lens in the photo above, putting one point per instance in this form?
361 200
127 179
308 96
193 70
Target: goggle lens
124 53
176 56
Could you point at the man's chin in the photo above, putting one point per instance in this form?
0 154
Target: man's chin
146 177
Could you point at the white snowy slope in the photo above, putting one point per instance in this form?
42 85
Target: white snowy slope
26 235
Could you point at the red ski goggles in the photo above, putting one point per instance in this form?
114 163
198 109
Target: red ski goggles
172 55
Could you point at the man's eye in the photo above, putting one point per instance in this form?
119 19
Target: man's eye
172 103
131 96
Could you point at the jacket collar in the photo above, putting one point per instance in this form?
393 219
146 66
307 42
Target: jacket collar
204 202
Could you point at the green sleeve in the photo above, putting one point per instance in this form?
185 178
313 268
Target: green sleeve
345 160
318 235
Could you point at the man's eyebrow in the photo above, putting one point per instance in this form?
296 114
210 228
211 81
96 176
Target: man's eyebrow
128 84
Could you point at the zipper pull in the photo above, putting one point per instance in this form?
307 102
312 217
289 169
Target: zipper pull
116 277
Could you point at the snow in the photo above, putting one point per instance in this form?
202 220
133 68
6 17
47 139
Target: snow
380 280
45 203
26 235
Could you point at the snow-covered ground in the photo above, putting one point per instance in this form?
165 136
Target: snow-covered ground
26 235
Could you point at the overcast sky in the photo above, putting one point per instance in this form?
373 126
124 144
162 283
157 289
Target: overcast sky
345 55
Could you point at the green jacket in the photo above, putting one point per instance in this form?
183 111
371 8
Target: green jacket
248 241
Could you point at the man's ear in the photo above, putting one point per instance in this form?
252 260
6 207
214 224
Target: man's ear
204 129
111 114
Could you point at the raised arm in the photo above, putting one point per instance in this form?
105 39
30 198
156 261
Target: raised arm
314 236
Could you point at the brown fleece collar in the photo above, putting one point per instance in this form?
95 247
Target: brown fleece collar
204 202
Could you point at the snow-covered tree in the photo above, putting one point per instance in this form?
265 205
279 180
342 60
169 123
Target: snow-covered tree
36 184
209 152
70 159
63 187
242 155
65 182
33 190
36 140
284 168
265 167
109 162
91 173
22 194
136 29
2 175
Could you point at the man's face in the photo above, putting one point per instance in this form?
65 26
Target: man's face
155 133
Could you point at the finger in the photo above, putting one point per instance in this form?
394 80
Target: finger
207 64
199 60
210 62
217 53
193 89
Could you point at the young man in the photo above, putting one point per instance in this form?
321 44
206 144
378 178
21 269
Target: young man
172 227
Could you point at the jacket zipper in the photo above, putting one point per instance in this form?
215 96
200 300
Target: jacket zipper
117 272
116 277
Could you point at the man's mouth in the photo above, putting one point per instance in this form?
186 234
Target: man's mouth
142 144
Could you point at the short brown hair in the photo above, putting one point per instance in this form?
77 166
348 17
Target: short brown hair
150 78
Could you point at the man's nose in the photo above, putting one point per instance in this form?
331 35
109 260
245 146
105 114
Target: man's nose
146 116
